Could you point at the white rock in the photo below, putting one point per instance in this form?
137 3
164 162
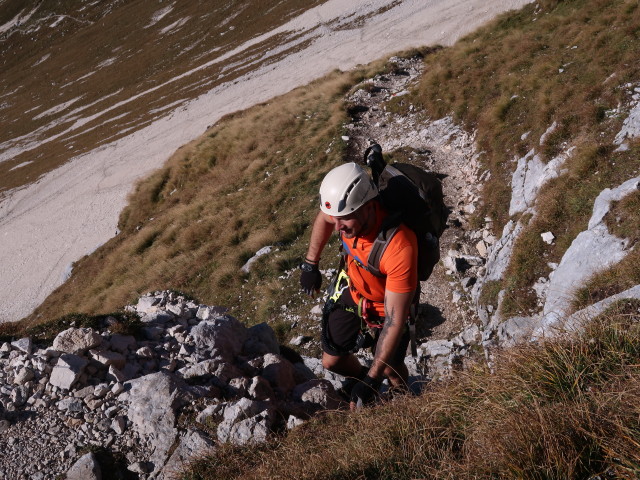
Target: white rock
548 237
279 372
146 304
192 445
67 371
24 344
107 358
435 348
593 250
77 340
23 376
482 248
86 468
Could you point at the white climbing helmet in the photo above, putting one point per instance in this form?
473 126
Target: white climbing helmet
345 189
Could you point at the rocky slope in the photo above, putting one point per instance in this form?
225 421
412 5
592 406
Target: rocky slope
195 377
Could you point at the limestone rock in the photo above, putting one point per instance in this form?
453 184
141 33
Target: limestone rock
192 445
592 250
222 336
77 340
86 468
108 358
317 395
279 372
24 344
261 339
67 371
122 343
153 404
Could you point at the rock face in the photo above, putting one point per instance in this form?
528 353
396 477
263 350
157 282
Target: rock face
126 394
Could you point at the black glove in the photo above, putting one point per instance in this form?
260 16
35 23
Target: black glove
365 391
311 278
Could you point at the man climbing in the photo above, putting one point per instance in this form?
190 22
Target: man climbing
350 205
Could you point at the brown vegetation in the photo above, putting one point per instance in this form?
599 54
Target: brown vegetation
567 409
557 61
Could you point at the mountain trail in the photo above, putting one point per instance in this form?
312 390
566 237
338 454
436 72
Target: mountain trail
439 146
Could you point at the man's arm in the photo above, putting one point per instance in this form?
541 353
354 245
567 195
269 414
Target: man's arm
311 278
396 309
322 228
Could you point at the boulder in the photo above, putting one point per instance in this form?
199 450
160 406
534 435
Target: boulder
192 445
261 340
317 395
153 403
221 337
516 330
254 430
85 468
77 340
147 304
279 372
260 389
67 370
122 343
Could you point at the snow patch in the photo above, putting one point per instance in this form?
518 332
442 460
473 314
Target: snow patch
57 108
174 26
20 165
159 15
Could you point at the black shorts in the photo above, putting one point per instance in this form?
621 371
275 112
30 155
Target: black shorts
340 332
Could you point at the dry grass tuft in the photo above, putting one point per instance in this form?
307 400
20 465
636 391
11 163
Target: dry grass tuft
564 409
567 62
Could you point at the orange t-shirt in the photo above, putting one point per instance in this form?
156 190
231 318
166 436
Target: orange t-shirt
399 263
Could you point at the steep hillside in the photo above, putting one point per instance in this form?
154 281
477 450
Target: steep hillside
95 96
535 120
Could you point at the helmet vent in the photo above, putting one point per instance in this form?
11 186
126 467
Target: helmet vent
343 202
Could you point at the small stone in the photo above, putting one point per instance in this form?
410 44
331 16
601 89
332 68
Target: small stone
456 296
548 237
23 376
481 246
118 425
299 340
117 388
24 344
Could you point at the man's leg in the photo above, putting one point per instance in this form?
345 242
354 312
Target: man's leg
345 365
339 337
398 375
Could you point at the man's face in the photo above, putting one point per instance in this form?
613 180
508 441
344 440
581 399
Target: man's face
354 224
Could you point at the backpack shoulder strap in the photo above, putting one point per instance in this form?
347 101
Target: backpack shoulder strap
377 250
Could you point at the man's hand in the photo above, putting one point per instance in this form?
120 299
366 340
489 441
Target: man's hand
310 278
364 392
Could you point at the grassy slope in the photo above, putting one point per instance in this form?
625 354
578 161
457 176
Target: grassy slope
250 181
563 410
99 55
569 63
